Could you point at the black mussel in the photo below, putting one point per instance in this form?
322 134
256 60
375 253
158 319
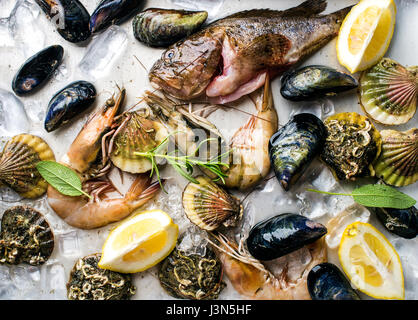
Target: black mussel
314 82
110 12
37 69
70 18
402 222
68 102
294 146
164 27
282 234
326 282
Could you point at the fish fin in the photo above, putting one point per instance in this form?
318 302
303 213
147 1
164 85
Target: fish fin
306 9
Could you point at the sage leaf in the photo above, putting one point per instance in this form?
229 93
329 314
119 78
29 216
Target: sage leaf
382 196
61 178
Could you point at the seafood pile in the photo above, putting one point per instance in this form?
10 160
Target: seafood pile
158 170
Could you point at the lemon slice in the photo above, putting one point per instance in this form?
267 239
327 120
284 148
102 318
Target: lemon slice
365 34
371 262
139 242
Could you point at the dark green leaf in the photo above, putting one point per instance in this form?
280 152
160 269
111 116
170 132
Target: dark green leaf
382 196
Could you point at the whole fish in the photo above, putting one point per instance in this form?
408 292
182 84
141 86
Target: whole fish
232 56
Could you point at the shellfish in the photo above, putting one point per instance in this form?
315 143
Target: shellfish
25 237
192 276
163 27
388 92
294 146
18 165
89 282
327 282
209 206
37 69
69 16
351 145
69 102
397 164
282 234
312 82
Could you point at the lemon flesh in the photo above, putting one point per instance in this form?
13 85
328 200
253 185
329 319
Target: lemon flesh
139 242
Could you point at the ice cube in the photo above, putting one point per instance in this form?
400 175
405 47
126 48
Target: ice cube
13 118
103 52
6 38
68 244
53 281
194 241
211 6
321 108
8 195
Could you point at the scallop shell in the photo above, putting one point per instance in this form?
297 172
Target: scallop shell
209 206
18 165
397 165
351 145
388 92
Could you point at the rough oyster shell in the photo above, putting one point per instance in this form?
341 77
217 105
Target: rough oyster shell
397 164
18 165
209 206
388 92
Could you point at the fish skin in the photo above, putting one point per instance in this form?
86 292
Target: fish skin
246 45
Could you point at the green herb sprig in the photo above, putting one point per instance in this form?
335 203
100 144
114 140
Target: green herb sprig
378 196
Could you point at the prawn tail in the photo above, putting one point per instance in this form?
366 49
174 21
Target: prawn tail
263 97
146 194
141 183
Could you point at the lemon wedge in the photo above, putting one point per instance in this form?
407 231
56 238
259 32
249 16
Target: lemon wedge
139 242
365 34
371 262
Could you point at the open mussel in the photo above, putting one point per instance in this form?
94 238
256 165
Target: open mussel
89 282
164 27
282 234
312 82
209 206
402 222
110 12
70 18
192 276
351 145
397 164
294 146
69 102
388 92
18 163
37 69
25 237
327 282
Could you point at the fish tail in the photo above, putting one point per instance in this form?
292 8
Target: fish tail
339 16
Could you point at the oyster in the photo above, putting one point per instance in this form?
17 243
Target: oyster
164 27
351 145
192 276
397 164
209 206
89 282
137 133
25 237
312 82
18 165
388 92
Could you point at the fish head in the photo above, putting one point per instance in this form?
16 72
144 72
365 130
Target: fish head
186 68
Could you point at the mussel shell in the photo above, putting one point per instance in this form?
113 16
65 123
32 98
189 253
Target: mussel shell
209 206
402 222
397 164
312 82
75 27
282 234
326 282
164 27
18 165
37 69
89 282
294 146
110 12
388 92
70 101
25 237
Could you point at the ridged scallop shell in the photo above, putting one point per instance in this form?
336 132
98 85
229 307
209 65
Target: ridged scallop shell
388 92
18 165
397 164
209 206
